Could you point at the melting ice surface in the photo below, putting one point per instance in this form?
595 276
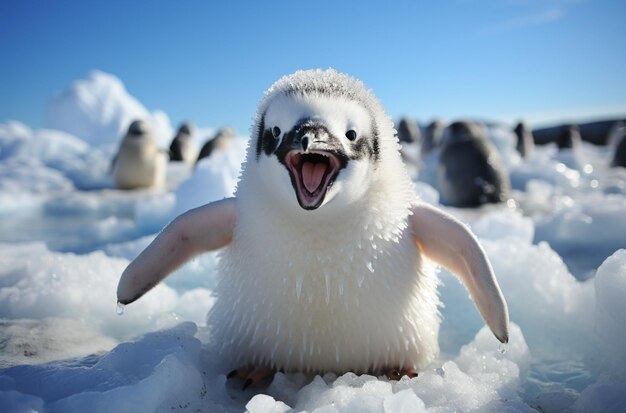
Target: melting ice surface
65 237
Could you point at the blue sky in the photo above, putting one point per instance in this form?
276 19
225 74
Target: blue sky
210 62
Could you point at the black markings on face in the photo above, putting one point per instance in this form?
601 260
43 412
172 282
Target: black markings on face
361 145
303 134
267 139
299 138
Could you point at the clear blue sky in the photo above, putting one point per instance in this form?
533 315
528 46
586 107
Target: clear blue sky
210 62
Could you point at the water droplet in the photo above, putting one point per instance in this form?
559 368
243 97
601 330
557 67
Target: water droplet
120 308
370 267
502 348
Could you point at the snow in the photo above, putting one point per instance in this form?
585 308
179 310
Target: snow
558 249
99 110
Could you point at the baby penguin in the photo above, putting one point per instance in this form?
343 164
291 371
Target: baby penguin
183 147
324 244
470 171
139 162
221 141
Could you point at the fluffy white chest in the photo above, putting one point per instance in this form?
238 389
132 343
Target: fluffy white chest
335 296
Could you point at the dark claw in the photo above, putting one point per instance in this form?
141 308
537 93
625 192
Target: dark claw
246 384
231 374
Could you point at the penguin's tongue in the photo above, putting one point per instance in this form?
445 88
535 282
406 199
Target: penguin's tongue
312 175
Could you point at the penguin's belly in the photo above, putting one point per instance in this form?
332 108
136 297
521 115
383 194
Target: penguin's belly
136 170
189 151
360 309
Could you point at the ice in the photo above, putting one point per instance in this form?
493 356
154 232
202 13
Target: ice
586 232
127 376
262 403
38 284
98 110
610 313
66 236
603 396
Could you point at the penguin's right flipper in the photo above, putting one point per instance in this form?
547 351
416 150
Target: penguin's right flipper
206 228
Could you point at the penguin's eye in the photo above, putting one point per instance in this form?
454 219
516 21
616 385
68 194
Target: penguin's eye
276 131
351 134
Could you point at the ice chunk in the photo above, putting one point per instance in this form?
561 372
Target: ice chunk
610 313
262 403
404 401
36 284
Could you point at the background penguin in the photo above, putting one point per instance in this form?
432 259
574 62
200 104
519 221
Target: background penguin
139 162
410 137
409 131
525 141
184 148
432 137
221 141
619 136
569 137
597 132
470 171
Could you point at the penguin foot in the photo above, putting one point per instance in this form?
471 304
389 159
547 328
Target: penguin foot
397 374
251 376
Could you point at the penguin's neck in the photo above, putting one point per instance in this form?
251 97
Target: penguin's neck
379 215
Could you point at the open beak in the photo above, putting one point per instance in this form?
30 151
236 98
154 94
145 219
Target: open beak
312 174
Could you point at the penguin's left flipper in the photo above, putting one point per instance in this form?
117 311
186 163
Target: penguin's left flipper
206 228
448 242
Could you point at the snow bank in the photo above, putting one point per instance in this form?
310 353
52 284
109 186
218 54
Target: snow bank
55 153
98 109
214 178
